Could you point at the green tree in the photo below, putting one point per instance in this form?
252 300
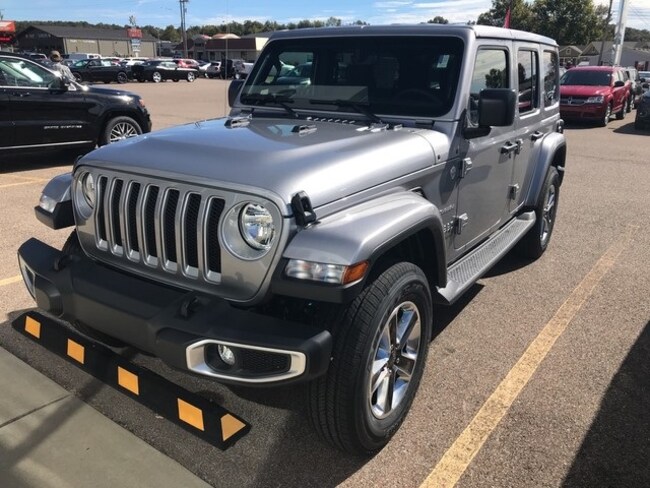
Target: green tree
574 22
521 15
170 33
438 20
333 22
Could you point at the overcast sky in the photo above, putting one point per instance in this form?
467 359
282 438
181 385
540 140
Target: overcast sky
164 12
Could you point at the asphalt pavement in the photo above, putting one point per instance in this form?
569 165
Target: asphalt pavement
538 377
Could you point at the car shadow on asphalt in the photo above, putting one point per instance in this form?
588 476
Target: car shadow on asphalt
16 164
616 450
629 129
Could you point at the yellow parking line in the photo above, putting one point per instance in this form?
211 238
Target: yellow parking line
455 461
10 281
21 183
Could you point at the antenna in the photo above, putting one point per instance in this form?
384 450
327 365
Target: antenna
183 30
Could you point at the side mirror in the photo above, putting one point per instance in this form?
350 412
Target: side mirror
60 83
233 91
645 86
618 84
496 107
643 80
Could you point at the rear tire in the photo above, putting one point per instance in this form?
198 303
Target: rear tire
156 77
190 77
122 77
535 242
380 348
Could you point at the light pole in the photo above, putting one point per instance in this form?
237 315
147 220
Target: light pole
183 31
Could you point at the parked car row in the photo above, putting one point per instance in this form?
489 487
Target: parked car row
41 112
597 93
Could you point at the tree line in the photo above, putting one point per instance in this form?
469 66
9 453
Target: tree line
568 22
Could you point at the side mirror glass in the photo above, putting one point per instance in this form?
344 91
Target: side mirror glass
233 91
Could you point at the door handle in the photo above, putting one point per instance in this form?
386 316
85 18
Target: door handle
509 147
21 95
536 135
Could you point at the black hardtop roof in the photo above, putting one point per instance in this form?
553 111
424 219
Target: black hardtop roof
459 30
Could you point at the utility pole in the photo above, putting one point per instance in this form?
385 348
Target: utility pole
183 30
605 33
619 36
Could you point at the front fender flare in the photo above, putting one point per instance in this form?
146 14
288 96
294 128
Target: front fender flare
59 193
366 232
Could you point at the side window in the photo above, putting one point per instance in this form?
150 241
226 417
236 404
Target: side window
490 71
528 80
16 72
551 79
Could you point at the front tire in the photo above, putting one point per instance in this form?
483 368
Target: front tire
608 115
380 349
156 77
122 77
535 242
119 128
190 77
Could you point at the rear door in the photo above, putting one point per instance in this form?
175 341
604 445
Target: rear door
42 115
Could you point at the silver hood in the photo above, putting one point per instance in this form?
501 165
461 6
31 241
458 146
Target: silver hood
332 162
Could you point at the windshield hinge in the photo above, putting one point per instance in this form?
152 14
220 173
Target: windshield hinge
303 212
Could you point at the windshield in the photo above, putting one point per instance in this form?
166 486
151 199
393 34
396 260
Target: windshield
401 76
584 77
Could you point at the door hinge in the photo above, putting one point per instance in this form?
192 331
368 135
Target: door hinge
465 167
459 223
513 191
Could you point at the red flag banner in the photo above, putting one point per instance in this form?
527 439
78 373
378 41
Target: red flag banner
506 23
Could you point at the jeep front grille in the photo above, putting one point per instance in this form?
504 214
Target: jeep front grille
167 227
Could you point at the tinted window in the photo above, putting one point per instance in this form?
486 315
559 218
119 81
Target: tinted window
406 76
586 77
490 71
16 72
528 80
551 79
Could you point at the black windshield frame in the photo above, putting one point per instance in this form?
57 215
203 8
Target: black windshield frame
393 76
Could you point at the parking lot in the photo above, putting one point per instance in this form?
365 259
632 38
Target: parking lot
538 377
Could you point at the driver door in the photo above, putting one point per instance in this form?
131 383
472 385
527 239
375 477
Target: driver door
44 115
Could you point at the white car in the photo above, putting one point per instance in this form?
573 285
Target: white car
213 70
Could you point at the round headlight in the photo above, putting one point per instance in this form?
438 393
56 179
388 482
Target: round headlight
256 226
88 189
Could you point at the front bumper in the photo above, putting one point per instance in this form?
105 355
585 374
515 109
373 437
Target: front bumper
586 111
183 328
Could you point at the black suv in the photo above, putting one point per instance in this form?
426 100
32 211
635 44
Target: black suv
42 112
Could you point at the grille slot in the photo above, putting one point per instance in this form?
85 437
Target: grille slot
173 230
131 213
190 231
150 221
169 219
212 235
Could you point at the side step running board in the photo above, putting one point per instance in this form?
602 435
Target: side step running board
463 273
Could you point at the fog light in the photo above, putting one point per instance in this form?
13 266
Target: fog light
226 354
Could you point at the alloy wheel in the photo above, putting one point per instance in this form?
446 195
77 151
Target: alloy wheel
394 358
122 130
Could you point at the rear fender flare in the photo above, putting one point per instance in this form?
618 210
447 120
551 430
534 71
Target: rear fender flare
552 153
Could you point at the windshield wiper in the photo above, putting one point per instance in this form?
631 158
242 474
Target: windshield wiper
356 106
259 99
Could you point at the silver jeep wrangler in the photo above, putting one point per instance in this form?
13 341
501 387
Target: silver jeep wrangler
363 175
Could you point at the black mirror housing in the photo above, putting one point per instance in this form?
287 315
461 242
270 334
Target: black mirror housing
233 91
619 83
496 107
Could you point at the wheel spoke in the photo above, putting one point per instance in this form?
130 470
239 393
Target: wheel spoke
392 329
405 367
378 375
407 327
